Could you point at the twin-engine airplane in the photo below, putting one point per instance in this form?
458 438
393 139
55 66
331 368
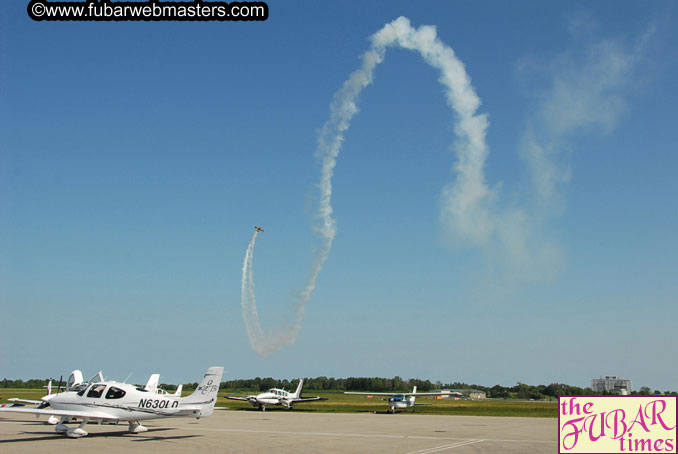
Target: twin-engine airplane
112 402
275 396
399 401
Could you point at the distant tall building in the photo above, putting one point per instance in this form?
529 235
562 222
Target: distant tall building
614 385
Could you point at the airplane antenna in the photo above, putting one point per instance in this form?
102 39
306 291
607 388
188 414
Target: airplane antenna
125 380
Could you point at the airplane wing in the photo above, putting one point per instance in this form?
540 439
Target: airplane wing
394 394
25 401
308 399
237 398
94 414
375 394
422 394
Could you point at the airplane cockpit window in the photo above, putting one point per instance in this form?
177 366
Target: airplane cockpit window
96 391
82 391
115 393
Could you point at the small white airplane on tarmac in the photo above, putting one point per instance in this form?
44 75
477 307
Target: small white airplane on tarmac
112 402
275 396
75 383
152 386
399 401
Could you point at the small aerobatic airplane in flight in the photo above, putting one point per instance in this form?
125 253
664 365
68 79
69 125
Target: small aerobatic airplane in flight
112 402
399 401
258 229
275 396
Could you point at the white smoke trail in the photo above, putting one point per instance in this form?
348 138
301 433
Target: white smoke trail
582 97
262 343
465 201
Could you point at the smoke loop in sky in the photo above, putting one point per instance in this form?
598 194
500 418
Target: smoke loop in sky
466 201
583 96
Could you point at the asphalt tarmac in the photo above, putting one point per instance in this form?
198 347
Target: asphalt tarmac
292 432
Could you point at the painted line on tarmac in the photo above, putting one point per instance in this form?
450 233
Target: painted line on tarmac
330 434
445 447
521 441
338 434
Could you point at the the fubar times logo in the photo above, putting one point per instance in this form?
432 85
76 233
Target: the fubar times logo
617 424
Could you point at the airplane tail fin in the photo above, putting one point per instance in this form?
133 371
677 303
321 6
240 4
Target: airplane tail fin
414 389
206 392
297 393
177 393
152 384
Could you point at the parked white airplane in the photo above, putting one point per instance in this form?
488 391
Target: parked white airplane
152 386
399 401
75 383
275 396
110 401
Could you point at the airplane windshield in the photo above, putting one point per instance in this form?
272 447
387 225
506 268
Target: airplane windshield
115 393
80 388
96 391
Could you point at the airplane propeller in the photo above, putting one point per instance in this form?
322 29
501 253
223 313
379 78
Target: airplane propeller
45 404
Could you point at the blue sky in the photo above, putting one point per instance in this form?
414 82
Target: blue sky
135 159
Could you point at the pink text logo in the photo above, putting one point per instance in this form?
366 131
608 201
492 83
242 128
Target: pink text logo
616 424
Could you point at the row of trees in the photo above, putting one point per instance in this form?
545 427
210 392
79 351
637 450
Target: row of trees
378 384
33 383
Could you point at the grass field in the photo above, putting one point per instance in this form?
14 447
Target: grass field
340 403
32 394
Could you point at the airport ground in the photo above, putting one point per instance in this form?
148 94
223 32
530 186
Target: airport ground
293 432
341 424
338 402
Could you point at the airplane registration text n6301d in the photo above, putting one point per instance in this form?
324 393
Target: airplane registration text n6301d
158 403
